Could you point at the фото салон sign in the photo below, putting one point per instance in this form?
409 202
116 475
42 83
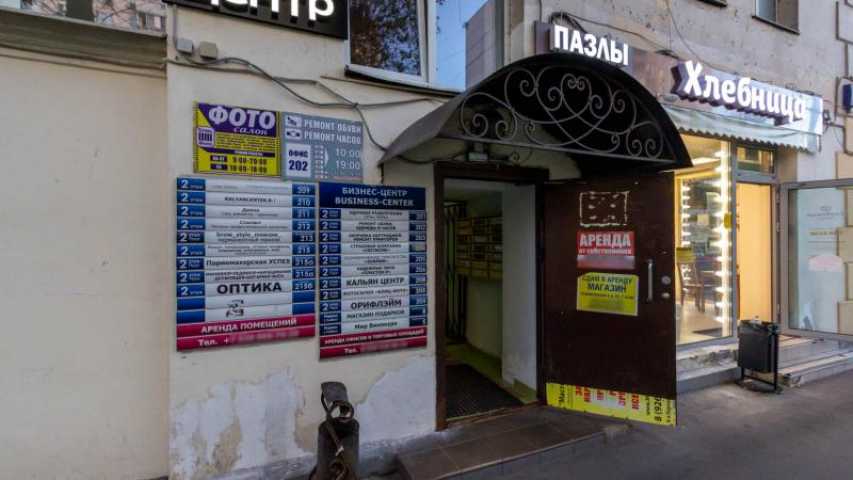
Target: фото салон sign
263 143
324 17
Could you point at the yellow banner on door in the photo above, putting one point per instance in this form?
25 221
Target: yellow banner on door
608 293
628 406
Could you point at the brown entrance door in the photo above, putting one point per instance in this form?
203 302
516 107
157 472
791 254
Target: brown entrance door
608 302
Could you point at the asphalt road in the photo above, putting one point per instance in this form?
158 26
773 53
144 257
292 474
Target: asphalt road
730 433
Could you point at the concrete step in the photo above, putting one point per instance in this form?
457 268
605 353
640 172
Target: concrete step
702 378
831 363
794 350
802 359
688 361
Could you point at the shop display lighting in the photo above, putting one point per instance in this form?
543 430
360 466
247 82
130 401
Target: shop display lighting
723 243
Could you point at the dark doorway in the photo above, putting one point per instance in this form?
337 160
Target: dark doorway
471 393
487 328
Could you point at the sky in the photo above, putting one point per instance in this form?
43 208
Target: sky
451 40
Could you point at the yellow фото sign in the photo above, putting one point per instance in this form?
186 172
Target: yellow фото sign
608 293
235 140
628 406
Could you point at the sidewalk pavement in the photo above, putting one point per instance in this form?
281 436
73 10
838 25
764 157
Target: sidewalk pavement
730 433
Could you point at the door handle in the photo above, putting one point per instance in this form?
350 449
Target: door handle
650 269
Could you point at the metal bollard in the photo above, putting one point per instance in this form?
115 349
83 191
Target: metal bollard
337 438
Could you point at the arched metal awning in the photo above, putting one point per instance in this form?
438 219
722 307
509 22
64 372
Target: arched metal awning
586 109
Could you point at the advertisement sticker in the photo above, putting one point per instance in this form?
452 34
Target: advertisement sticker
607 250
598 401
237 141
608 293
321 148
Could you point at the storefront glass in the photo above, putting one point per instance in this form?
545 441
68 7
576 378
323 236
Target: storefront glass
386 35
703 242
465 40
754 252
820 245
148 15
754 159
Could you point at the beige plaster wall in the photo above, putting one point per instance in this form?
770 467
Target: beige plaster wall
86 259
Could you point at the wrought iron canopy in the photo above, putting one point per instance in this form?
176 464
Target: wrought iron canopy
590 110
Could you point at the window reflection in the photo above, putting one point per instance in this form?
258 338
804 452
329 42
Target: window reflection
820 251
754 159
466 39
386 34
147 15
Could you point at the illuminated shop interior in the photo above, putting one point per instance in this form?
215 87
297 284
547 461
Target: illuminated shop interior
719 282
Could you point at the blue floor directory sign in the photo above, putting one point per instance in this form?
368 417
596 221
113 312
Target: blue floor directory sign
372 269
246 261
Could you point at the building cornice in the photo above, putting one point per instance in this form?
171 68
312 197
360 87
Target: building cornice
80 40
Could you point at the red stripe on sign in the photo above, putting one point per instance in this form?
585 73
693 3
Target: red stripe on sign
211 341
352 338
222 328
332 352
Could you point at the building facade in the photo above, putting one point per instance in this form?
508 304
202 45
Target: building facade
750 184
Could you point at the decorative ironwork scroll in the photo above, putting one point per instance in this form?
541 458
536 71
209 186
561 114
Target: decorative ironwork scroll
562 107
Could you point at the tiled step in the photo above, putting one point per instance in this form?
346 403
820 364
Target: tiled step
506 445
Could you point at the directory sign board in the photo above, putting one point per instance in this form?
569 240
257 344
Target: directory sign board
372 269
321 148
246 261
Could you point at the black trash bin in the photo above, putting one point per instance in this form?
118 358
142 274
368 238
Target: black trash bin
758 350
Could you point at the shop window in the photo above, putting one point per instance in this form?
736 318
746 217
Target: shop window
448 44
118 13
153 22
782 13
820 257
754 159
703 243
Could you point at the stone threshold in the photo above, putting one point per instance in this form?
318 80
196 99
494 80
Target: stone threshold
501 445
